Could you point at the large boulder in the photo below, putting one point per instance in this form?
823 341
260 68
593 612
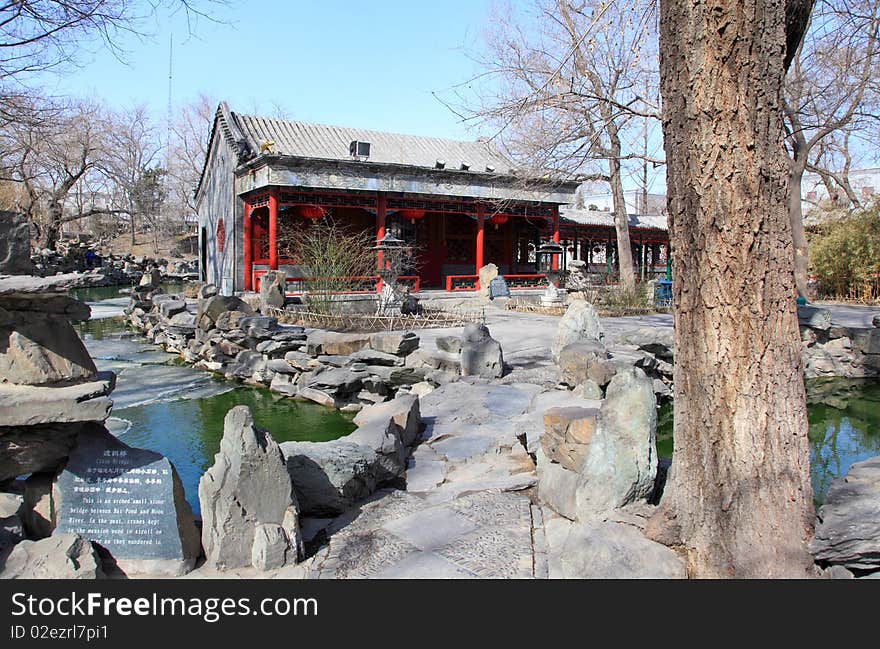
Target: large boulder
272 287
480 353
848 532
814 317
403 411
15 244
580 322
25 405
40 348
248 486
330 477
620 465
399 343
217 304
128 500
486 274
333 343
598 550
66 556
585 360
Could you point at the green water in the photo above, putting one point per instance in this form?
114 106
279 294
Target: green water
98 293
188 431
844 418
166 406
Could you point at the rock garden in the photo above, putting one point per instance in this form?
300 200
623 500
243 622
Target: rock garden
467 460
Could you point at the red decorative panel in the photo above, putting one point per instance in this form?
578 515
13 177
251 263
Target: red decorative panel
221 235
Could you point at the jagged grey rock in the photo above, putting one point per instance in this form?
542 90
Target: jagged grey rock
329 477
404 410
655 340
848 532
272 287
248 485
580 322
399 343
217 304
605 550
481 354
15 244
586 360
40 349
450 344
331 343
620 465
66 556
557 485
271 547
814 317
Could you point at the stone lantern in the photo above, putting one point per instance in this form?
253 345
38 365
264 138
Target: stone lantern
394 252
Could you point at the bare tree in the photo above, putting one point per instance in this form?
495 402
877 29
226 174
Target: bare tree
53 34
50 158
132 150
185 155
567 89
832 93
739 499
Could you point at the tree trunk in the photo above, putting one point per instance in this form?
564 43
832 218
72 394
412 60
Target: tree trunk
798 232
739 500
621 226
52 231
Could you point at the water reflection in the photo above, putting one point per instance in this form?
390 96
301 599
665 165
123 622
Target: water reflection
844 419
164 406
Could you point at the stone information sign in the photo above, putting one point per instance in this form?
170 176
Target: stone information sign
125 499
498 288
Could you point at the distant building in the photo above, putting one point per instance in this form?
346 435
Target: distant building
865 184
461 204
635 199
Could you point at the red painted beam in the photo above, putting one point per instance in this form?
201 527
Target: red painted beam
248 247
273 229
481 233
554 264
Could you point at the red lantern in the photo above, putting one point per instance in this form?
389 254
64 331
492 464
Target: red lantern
498 219
312 212
412 215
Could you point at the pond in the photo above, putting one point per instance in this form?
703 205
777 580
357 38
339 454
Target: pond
844 417
165 406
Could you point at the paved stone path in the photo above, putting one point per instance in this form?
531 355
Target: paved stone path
465 513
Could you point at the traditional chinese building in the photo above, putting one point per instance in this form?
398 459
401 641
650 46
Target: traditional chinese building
461 204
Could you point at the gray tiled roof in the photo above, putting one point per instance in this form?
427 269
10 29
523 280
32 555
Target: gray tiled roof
596 217
305 140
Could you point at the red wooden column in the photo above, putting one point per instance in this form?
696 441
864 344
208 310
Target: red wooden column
554 263
381 210
481 232
273 228
248 247
508 246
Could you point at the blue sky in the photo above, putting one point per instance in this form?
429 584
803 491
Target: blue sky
355 63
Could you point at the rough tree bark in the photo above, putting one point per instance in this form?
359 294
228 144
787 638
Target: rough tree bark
739 499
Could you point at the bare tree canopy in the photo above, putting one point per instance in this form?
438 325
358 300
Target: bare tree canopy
48 34
831 103
568 87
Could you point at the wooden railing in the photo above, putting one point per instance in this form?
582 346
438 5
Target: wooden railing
455 283
356 285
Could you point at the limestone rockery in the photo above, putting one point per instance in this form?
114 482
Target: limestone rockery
347 371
